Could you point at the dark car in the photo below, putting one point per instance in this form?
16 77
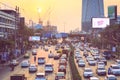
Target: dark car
57 56
107 54
103 60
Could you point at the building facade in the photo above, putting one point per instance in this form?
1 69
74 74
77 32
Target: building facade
91 9
7 25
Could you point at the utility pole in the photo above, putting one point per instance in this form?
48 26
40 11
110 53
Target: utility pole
16 20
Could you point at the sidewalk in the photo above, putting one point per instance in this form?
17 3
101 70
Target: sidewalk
5 69
7 63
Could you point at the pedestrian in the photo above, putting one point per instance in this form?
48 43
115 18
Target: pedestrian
12 67
109 71
34 58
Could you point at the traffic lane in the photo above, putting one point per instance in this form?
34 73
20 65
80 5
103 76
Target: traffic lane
81 69
42 53
18 70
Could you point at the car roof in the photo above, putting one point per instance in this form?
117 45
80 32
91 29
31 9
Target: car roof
40 73
87 68
114 65
110 75
94 78
48 64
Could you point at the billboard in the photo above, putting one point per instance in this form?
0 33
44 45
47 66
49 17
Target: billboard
100 22
112 12
34 38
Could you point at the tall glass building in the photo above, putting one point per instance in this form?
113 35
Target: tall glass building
91 9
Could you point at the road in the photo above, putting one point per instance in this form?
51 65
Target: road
81 69
31 76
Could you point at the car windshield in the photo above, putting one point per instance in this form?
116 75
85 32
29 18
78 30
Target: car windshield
100 63
116 67
48 65
112 78
88 70
101 68
81 61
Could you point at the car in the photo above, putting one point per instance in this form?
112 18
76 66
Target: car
34 52
110 77
77 59
91 62
88 58
56 48
78 56
88 72
62 62
103 60
62 68
41 60
57 56
49 67
107 54
101 70
96 56
40 76
59 75
27 55
50 55
118 62
32 68
94 78
64 56
114 69
81 63
85 54
102 64
25 63
14 62
46 49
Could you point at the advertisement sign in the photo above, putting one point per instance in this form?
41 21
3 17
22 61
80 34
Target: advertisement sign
100 22
34 38
112 12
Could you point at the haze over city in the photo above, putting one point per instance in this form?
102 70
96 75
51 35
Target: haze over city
61 13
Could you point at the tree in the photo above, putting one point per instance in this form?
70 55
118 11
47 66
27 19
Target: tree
111 34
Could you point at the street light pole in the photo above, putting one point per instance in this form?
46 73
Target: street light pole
16 12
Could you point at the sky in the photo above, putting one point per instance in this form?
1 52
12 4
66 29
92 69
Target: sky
65 14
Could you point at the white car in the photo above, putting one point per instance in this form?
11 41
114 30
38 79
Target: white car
114 69
49 67
89 58
25 63
14 62
41 60
88 72
34 52
40 76
101 70
50 55
32 68
102 64
81 63
110 77
118 62
91 62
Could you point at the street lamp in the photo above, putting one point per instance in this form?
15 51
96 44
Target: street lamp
39 11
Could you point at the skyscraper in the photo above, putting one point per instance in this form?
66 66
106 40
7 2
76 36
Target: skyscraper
91 9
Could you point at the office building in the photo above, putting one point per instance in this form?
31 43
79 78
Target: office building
91 9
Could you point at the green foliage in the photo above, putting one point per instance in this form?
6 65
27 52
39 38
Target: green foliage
111 34
74 70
